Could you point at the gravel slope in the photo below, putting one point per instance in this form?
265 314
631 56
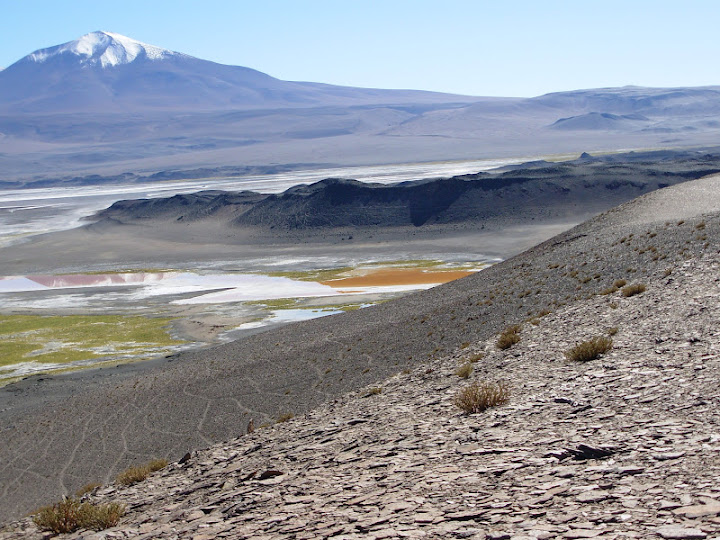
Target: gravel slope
209 396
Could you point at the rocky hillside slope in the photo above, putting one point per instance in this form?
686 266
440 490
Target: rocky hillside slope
622 446
649 402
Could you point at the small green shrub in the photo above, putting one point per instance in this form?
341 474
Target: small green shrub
590 349
632 290
508 337
464 371
70 515
478 397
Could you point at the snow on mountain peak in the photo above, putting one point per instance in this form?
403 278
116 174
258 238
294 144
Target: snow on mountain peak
104 48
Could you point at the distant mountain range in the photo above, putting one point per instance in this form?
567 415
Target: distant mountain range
103 72
107 104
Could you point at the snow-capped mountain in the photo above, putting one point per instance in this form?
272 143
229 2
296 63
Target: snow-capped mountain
108 72
106 49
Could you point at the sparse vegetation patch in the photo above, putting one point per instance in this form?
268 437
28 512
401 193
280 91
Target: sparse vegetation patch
70 515
133 475
464 371
590 349
478 397
508 337
632 290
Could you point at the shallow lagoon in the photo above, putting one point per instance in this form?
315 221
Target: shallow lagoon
196 308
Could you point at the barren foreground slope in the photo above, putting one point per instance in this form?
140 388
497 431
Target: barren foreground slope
405 461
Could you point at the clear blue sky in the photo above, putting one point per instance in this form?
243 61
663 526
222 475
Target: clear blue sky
478 47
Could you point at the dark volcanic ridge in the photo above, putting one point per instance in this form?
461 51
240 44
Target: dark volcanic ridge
198 398
538 191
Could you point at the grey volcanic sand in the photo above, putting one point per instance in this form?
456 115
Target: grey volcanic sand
55 445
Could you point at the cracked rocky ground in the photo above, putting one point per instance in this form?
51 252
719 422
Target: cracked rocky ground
627 445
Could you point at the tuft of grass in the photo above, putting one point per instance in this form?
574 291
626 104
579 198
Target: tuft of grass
508 337
136 474
373 391
619 283
285 417
632 290
133 475
612 331
590 349
157 464
464 371
70 515
478 397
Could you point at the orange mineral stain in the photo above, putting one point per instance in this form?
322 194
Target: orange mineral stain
397 276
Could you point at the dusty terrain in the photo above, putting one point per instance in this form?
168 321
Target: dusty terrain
667 240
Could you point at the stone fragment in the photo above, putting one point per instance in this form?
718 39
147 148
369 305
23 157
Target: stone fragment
675 532
698 510
593 496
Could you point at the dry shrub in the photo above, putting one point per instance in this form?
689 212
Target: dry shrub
100 516
61 517
632 290
464 371
133 475
590 349
70 515
619 283
157 464
478 397
508 337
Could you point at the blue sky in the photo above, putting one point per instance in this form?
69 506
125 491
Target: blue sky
509 48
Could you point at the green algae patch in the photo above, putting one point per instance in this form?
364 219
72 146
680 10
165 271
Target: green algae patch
71 338
278 303
313 275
